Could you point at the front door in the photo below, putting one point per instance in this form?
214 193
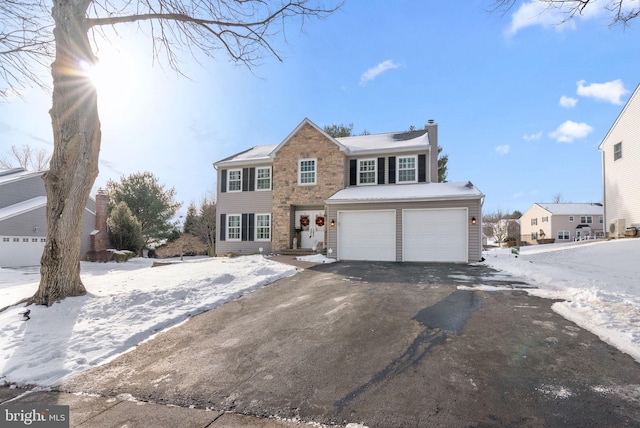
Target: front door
311 224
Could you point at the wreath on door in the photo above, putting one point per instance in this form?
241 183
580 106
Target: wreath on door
304 220
319 221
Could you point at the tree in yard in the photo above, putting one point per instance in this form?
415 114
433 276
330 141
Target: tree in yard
125 231
205 225
62 34
149 202
620 11
27 158
190 218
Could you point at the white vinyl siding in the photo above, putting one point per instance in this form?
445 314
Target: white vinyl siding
406 169
307 171
367 171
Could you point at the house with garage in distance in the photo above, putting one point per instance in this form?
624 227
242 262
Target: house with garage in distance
369 197
621 171
561 222
23 221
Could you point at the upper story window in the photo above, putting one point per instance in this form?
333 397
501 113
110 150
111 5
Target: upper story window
601 220
617 151
263 178
307 171
367 171
534 222
571 219
545 219
234 180
407 169
586 219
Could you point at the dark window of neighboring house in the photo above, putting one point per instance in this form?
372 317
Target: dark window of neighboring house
586 219
563 234
617 151
534 236
571 219
534 222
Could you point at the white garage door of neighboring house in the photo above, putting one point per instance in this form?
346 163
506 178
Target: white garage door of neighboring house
21 251
435 235
367 235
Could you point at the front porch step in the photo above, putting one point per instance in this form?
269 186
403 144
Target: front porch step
297 252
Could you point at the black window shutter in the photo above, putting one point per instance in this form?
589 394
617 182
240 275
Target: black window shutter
223 181
353 172
245 179
252 179
223 227
380 170
248 222
392 169
422 168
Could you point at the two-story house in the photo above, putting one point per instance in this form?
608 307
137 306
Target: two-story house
621 170
369 197
562 222
23 221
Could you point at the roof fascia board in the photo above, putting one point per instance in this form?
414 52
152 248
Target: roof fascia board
390 151
400 200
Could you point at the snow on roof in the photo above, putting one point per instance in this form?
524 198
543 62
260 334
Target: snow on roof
253 154
22 207
391 141
569 209
398 192
13 174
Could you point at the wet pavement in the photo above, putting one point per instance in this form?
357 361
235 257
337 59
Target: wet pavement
381 344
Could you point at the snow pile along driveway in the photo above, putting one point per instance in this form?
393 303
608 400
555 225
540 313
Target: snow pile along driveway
126 304
598 283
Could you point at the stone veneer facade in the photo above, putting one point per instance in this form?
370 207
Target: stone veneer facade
307 143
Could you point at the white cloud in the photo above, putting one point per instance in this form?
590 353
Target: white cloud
374 72
568 102
532 137
557 15
569 131
503 149
611 92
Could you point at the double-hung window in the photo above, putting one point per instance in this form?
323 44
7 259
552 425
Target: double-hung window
617 151
234 180
263 178
307 171
367 171
586 219
534 222
233 227
407 169
563 235
263 227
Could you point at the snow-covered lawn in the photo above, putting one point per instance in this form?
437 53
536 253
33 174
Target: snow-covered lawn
597 281
126 304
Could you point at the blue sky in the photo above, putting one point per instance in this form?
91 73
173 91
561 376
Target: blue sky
522 102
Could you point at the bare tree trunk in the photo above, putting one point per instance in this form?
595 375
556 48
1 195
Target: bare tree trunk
74 163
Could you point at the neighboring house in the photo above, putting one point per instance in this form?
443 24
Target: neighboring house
370 197
23 223
562 222
621 170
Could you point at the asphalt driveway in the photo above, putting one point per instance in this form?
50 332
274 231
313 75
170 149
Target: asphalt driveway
385 345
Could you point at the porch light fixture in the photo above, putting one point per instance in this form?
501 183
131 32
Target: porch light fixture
473 220
333 223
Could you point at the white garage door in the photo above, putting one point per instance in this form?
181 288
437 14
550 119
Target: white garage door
435 235
367 235
20 251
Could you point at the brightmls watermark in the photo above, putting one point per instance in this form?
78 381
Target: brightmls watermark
40 416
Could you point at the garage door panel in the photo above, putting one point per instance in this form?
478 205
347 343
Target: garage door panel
367 235
435 235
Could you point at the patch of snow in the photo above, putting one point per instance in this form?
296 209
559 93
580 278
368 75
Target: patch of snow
316 258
